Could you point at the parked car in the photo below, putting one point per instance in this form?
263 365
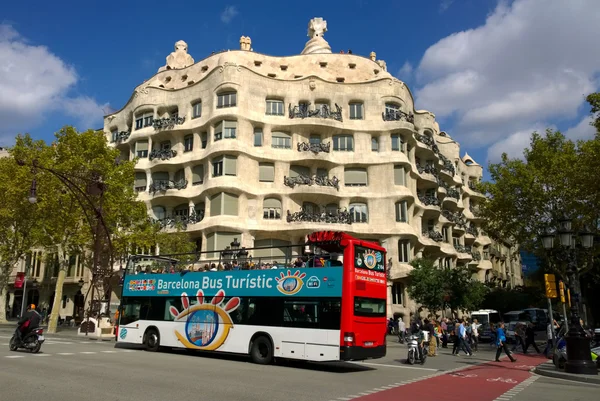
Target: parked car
510 331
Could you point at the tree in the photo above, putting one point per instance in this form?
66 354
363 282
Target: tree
465 293
426 284
70 224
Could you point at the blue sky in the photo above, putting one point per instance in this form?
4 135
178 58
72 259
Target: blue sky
492 71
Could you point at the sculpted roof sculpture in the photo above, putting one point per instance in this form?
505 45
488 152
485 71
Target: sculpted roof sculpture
179 58
316 45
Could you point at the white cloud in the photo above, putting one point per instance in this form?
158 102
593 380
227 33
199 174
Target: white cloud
405 71
228 14
514 144
33 82
445 5
583 130
530 65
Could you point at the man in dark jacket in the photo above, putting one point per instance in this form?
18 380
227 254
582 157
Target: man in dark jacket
28 322
530 339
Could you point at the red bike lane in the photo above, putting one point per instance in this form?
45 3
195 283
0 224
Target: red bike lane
484 382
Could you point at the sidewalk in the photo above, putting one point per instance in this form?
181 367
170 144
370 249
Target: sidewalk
548 369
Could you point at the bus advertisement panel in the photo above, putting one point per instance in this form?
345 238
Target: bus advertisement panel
325 306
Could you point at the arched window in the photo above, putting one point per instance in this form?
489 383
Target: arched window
310 207
226 99
182 210
159 212
272 209
359 213
180 175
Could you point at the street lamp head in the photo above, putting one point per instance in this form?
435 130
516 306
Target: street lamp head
565 235
33 192
235 244
548 239
587 238
564 224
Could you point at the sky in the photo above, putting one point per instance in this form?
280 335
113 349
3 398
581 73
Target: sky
492 71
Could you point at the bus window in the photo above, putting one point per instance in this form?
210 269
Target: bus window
301 313
370 307
331 314
131 309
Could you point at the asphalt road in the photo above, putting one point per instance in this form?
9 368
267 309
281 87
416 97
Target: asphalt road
71 368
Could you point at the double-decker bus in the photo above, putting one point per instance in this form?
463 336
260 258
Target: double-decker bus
327 304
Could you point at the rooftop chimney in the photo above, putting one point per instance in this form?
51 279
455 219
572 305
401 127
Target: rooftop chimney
245 43
373 56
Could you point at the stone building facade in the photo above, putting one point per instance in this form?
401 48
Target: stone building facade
264 150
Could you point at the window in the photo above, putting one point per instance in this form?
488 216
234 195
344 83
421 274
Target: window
375 144
279 250
224 204
343 143
448 263
310 207
359 213
281 140
322 172
391 108
431 192
315 139
355 177
188 143
160 176
296 171
198 174
141 149
226 129
258 137
456 242
274 107
180 175
271 208
159 212
429 225
398 293
204 139
144 120
332 208
356 111
404 251
369 307
226 99
115 135
218 241
224 165
266 172
445 234
398 143
402 212
182 210
321 105
197 110
301 313
140 182
165 145
399 175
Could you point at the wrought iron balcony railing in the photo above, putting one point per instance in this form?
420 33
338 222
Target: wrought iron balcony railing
433 235
167 122
472 230
314 180
341 216
476 255
429 200
323 111
398 115
428 168
447 164
162 154
429 141
314 147
163 185
455 217
180 221
453 193
462 248
475 210
120 136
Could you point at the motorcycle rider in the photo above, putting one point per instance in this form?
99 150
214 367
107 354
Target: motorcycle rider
28 322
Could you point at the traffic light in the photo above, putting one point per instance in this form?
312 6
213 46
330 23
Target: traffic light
550 282
561 287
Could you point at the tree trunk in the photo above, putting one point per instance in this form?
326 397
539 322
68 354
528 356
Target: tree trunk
3 293
58 290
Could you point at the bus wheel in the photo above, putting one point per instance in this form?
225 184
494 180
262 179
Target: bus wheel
261 351
152 340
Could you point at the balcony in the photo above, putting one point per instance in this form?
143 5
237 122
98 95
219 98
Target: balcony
447 165
314 147
433 235
462 248
338 217
429 200
428 141
428 168
453 193
162 154
120 136
476 255
398 115
456 218
164 185
168 122
314 180
472 230
324 111
180 221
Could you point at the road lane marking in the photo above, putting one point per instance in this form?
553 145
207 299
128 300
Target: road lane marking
109 352
395 366
42 355
14 356
65 353
88 352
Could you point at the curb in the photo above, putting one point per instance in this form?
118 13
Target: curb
566 376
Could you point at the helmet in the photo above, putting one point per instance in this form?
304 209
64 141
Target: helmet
32 306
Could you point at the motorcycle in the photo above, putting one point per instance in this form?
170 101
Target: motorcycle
413 350
32 341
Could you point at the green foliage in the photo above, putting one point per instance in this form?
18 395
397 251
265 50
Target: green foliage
439 288
178 244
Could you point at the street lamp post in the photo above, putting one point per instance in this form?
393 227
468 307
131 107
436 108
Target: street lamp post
578 345
94 189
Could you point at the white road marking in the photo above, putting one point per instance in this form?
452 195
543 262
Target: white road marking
109 352
65 353
38 355
88 352
14 356
394 366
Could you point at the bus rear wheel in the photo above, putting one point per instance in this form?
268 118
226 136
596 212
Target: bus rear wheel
261 351
152 340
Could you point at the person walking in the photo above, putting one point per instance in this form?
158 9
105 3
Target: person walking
475 334
444 332
501 343
430 327
530 339
401 330
550 335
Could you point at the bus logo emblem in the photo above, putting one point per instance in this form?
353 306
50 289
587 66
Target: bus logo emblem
290 284
370 260
207 324
313 282
123 334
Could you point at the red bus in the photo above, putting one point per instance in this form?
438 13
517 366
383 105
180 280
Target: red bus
327 302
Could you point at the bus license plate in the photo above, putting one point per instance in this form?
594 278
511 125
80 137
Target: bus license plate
368 343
